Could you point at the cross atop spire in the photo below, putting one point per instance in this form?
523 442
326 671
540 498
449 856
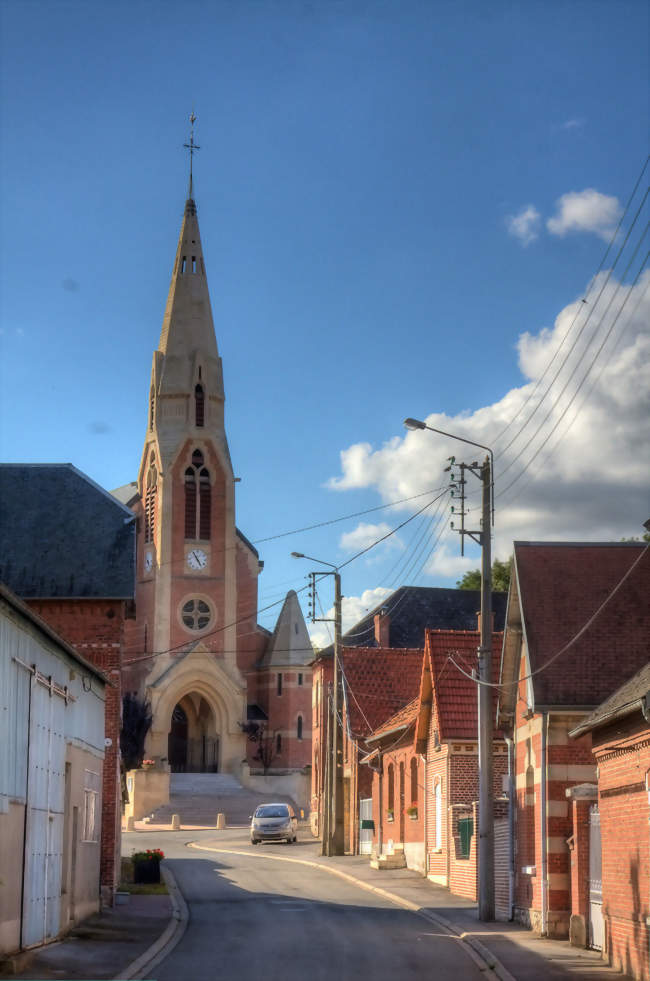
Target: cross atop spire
191 146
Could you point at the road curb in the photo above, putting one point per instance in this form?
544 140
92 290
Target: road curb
479 953
167 940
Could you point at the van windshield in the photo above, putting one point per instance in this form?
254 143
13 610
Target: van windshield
272 811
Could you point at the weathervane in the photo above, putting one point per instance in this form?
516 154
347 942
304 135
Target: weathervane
191 146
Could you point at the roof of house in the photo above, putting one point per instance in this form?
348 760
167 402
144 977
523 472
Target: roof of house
289 645
62 535
630 697
398 722
456 695
380 682
558 589
414 609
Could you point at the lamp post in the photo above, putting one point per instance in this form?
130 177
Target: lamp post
485 722
333 835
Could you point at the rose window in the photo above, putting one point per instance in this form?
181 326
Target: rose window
196 614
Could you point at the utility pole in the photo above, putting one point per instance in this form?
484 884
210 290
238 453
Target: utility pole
485 721
333 839
482 537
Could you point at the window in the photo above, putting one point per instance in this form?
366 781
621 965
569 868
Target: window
279 683
300 677
465 832
391 791
414 780
151 486
437 796
91 806
183 264
196 614
278 743
199 406
198 507
299 727
193 263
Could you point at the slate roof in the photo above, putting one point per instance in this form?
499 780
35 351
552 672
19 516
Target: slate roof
289 645
456 695
398 722
414 609
61 535
558 588
625 700
380 682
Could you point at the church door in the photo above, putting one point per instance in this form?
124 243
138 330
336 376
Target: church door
177 744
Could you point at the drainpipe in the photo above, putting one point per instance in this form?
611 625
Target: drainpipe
424 805
511 827
543 829
380 823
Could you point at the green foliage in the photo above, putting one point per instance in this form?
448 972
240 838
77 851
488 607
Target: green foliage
500 577
644 538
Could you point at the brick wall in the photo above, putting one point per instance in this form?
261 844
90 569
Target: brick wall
96 629
623 755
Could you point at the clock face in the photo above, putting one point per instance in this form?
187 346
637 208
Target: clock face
197 559
148 561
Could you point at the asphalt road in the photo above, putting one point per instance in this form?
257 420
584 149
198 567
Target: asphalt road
251 917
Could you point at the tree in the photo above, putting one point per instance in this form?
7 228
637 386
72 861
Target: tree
500 577
136 722
266 742
644 538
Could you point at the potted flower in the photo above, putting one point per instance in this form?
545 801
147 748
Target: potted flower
412 811
146 865
390 814
148 764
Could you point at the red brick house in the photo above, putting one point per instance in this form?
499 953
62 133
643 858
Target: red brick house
380 682
616 919
577 621
398 790
67 548
446 734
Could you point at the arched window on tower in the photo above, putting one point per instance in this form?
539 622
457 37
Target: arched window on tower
151 488
299 727
198 507
199 406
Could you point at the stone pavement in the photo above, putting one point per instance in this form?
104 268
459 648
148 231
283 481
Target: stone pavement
101 947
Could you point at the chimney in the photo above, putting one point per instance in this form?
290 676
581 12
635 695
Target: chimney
478 620
382 628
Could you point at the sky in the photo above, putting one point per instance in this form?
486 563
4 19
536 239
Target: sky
405 208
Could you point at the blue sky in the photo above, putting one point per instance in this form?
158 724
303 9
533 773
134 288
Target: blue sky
374 187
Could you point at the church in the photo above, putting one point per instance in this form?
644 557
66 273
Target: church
195 650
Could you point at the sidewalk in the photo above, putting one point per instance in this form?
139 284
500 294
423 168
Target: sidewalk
102 946
525 956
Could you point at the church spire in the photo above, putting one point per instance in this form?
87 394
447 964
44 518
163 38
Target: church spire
188 330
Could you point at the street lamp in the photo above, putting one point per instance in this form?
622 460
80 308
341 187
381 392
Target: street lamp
333 843
485 721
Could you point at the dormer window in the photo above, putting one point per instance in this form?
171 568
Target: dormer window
183 264
199 406
193 263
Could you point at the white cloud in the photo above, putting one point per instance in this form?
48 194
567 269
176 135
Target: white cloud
585 211
366 534
353 609
524 225
586 479
573 124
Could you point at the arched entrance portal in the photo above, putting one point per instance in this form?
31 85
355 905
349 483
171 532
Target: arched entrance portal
193 743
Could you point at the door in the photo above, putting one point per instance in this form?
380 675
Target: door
365 818
45 806
596 931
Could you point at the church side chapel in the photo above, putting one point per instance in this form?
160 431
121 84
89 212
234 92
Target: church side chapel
211 673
